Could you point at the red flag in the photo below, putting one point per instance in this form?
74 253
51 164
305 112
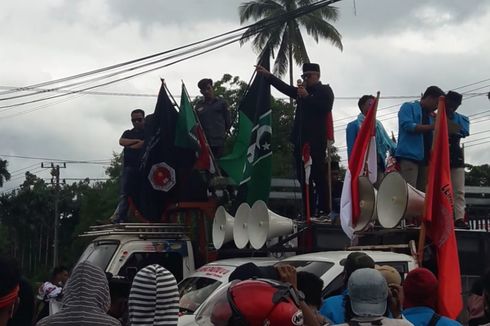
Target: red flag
438 218
204 160
357 158
330 134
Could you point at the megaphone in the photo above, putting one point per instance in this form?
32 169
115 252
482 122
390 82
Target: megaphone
367 203
240 227
222 227
398 200
265 224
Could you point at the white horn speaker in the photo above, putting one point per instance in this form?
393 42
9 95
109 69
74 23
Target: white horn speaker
397 200
222 227
265 224
367 203
240 227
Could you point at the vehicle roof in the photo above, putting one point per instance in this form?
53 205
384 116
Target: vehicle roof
235 262
337 256
132 237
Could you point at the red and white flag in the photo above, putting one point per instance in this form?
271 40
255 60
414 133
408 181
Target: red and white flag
362 161
204 159
438 219
307 162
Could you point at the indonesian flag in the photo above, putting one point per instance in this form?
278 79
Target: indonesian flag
307 162
362 161
438 219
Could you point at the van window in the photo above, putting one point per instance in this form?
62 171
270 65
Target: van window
315 267
100 253
194 290
172 261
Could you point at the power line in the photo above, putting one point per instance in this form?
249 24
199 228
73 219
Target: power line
95 161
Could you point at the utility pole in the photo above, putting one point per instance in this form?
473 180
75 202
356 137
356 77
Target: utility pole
55 182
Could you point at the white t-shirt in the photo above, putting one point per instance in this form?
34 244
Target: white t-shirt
48 291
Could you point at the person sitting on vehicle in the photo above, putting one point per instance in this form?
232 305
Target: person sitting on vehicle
9 290
154 297
51 290
311 285
367 300
420 302
333 308
85 300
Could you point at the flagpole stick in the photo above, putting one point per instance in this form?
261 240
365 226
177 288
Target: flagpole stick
329 174
366 158
218 170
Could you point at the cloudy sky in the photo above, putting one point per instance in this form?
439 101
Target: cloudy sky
398 47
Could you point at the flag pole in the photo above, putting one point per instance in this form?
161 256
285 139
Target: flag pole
366 168
423 227
218 170
329 174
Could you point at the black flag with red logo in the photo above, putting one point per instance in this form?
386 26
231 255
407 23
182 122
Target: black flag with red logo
162 162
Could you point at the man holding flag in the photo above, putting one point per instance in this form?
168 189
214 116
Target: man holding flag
362 162
314 102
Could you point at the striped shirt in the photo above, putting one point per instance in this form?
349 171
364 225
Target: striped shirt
154 297
85 300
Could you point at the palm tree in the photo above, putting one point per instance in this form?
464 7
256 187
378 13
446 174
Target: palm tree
286 36
4 173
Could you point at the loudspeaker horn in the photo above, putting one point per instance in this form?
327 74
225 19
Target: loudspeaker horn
265 224
398 200
222 227
240 227
367 203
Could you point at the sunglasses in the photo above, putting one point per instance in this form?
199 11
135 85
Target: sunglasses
307 75
137 120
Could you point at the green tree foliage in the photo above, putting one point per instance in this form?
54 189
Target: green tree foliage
4 173
478 175
286 37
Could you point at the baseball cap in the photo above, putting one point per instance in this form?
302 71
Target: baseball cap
368 292
391 275
356 260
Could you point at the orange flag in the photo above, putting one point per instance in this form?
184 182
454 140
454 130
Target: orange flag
439 219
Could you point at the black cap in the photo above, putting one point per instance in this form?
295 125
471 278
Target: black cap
355 261
311 67
250 270
454 97
204 82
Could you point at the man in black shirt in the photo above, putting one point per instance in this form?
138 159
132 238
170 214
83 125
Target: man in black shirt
132 140
214 116
314 101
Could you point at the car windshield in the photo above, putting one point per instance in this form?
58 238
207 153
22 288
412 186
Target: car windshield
194 290
315 267
99 253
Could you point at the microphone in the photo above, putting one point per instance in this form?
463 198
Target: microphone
299 82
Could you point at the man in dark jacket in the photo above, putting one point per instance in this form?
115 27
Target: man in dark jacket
214 116
314 101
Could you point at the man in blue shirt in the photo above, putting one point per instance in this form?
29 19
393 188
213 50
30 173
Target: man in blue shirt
415 126
384 143
420 299
333 308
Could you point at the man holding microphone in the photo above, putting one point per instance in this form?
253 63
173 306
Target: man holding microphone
314 101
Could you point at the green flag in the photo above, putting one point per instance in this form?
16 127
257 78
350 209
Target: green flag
185 133
250 162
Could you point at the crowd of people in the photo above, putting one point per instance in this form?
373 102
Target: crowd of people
276 295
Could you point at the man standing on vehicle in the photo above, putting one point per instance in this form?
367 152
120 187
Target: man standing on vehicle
314 101
132 140
415 127
214 116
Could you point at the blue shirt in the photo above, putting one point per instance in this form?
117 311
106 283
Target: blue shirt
421 316
333 308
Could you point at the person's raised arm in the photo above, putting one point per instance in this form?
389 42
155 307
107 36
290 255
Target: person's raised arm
281 86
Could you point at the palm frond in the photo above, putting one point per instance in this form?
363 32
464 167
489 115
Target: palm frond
300 54
281 62
258 9
319 28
